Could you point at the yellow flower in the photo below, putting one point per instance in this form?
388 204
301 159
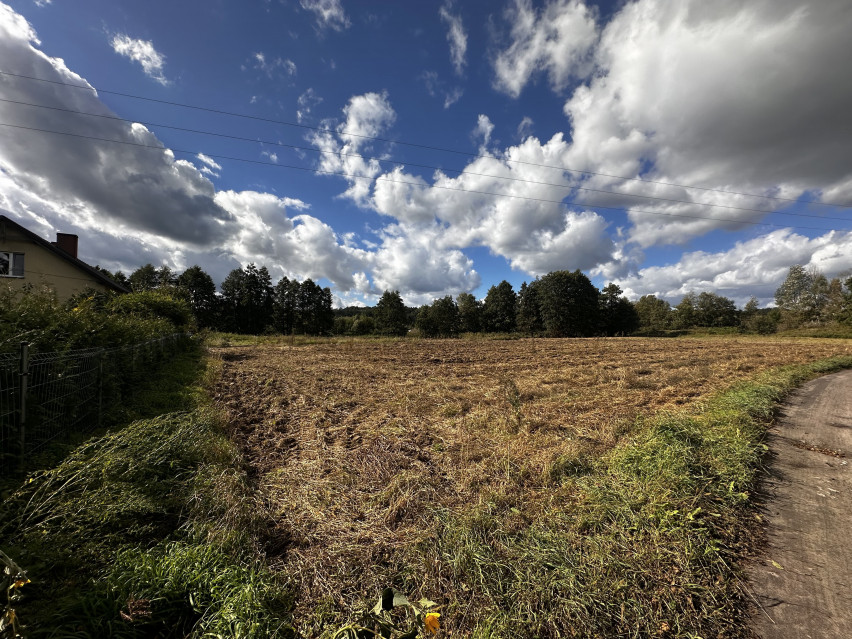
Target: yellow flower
431 622
20 583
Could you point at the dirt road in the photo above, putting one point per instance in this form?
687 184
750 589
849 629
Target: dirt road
803 583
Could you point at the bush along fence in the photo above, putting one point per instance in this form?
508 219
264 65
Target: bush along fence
45 396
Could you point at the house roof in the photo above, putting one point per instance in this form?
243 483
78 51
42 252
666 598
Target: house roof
95 274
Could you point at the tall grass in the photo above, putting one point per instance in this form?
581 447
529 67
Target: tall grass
151 530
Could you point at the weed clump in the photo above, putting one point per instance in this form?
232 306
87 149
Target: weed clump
149 529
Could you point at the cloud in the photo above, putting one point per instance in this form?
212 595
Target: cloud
307 102
365 116
285 66
131 205
511 203
421 267
749 97
754 267
90 182
143 52
556 40
211 167
301 246
484 128
435 87
452 97
329 13
525 127
456 36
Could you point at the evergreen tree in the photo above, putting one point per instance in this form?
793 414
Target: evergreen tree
315 308
198 289
391 315
247 297
529 309
470 313
285 306
499 309
618 315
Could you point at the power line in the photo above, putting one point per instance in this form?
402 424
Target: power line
404 182
411 144
400 163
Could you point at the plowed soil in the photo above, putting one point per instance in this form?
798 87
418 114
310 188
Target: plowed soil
361 446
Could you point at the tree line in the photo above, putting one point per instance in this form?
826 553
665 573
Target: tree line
559 304
805 298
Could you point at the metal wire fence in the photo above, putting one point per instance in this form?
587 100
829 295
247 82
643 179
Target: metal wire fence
45 396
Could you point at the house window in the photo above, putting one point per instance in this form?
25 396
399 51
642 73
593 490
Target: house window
11 264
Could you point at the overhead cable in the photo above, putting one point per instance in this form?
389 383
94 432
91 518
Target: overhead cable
404 182
410 144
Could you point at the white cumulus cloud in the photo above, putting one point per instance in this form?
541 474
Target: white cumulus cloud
753 267
556 40
717 95
143 52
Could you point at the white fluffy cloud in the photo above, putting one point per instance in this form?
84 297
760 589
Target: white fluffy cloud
456 37
143 52
302 245
556 40
748 97
365 116
135 189
483 129
329 13
754 267
511 203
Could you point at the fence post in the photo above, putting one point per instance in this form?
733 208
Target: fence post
22 403
100 385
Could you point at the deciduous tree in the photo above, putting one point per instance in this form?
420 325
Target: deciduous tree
569 304
654 314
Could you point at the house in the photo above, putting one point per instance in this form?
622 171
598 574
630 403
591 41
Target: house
26 258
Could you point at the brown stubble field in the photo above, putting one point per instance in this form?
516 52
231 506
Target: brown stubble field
363 449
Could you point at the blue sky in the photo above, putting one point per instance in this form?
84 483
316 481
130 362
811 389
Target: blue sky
437 147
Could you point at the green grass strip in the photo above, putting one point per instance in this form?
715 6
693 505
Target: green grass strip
647 543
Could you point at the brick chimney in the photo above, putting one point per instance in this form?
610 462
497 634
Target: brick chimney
67 242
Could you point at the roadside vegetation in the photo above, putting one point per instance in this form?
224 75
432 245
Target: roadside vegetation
152 529
89 320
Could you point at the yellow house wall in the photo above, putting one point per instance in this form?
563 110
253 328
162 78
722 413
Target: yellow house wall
42 267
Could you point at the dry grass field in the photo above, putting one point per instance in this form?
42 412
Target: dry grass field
458 470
